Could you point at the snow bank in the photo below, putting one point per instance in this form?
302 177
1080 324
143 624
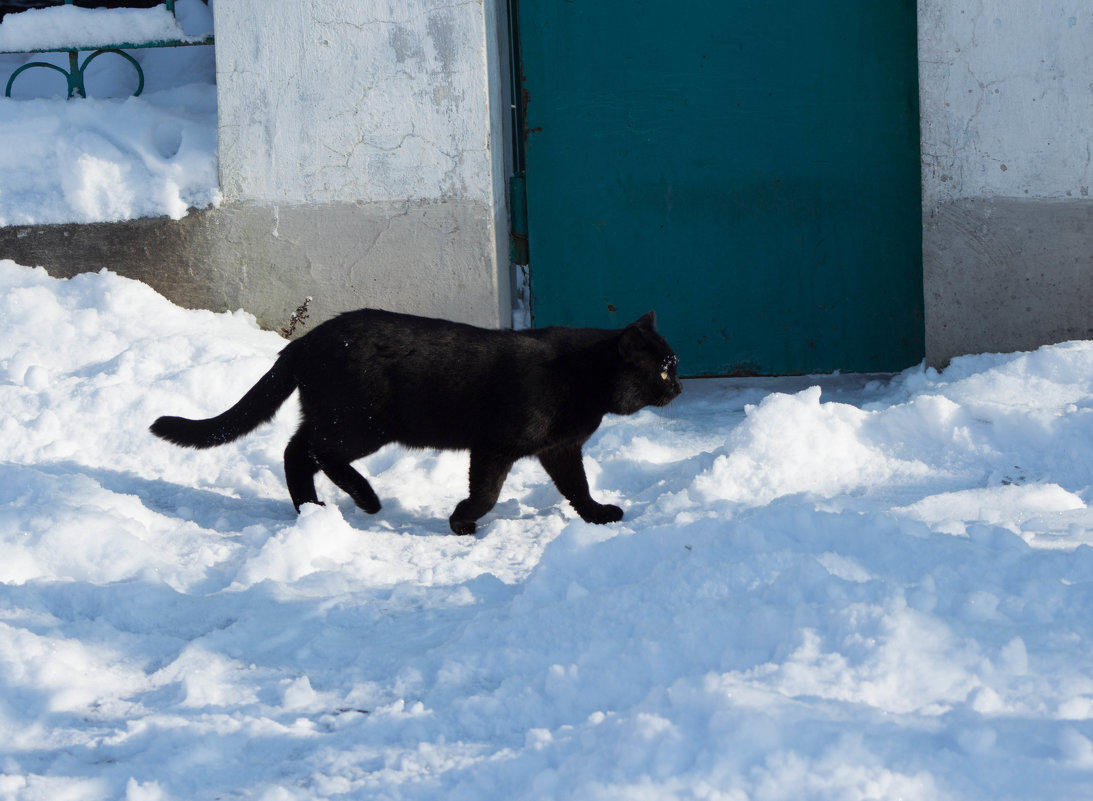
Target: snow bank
830 588
110 156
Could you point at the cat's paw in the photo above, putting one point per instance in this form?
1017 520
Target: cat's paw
601 513
370 505
364 496
462 527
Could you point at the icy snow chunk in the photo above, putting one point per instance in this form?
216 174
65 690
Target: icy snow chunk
298 694
36 378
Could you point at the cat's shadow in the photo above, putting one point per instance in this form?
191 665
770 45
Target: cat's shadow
397 519
229 515
208 509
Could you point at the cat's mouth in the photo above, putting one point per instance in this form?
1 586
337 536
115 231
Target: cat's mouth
673 392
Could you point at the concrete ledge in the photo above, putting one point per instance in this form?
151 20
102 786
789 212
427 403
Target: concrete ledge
431 258
1006 274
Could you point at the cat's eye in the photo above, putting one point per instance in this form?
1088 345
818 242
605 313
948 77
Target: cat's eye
667 365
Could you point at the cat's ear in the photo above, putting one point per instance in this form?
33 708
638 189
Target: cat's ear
635 337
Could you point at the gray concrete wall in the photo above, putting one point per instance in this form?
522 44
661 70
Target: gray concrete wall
1006 113
420 257
1006 274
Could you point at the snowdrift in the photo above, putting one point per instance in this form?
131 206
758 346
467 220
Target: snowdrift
845 587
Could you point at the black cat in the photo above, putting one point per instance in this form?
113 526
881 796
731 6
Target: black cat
367 378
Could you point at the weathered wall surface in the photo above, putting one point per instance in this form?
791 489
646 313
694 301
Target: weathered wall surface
227 259
360 164
356 155
334 101
1007 106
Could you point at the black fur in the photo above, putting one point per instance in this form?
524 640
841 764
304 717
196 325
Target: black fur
372 377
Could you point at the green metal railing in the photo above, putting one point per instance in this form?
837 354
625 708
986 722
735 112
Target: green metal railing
75 72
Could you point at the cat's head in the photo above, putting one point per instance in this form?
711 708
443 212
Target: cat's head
647 371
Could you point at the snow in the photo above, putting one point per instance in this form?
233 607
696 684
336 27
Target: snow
66 26
111 156
840 587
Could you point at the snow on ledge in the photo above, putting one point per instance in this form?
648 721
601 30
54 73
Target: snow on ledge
83 28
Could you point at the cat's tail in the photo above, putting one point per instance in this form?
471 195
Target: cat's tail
256 407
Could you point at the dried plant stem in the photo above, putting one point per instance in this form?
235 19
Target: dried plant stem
298 317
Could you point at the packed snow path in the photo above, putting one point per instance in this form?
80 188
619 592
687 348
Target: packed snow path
836 588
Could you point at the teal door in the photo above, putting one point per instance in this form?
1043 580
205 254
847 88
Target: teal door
748 169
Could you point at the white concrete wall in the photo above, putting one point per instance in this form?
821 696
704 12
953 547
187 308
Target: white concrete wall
1007 90
1007 114
349 122
330 101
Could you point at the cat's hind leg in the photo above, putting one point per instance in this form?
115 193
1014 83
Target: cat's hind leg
300 469
352 483
564 465
303 460
487 476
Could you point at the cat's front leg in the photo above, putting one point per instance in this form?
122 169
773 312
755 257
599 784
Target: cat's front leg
487 475
565 466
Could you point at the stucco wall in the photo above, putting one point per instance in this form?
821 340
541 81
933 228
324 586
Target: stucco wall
345 101
1007 107
357 159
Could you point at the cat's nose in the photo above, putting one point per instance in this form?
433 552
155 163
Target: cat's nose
674 389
